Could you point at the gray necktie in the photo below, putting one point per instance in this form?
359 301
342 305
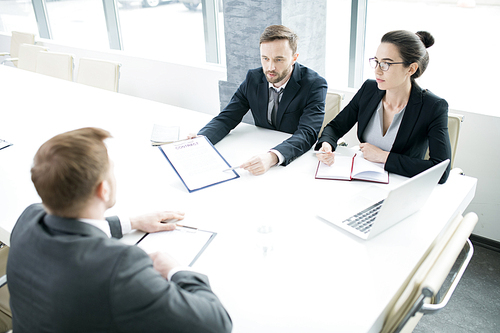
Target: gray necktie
274 96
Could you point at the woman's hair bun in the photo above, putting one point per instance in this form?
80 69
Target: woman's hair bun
426 38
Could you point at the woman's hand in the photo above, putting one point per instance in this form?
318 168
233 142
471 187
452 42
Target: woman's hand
373 153
329 156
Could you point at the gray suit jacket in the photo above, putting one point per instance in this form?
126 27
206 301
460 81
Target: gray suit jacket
68 276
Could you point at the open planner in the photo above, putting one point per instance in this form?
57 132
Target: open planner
350 164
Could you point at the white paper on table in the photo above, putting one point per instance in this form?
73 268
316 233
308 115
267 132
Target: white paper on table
165 134
184 244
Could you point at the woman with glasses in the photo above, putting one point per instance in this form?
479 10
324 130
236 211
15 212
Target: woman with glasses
397 120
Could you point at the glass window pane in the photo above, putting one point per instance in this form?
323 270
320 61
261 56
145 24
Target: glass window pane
462 67
338 20
78 23
17 15
222 38
168 31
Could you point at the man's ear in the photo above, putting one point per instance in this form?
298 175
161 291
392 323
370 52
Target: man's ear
103 191
295 56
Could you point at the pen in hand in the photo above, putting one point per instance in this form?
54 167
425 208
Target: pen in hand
232 168
186 226
179 225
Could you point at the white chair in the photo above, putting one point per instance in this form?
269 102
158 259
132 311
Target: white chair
5 312
99 73
454 124
55 64
333 104
426 291
17 38
28 55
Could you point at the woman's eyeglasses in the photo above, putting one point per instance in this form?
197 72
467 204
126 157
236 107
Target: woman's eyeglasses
384 65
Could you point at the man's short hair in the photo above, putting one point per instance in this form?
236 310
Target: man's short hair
68 168
274 32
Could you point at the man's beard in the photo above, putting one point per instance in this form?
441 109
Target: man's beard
279 77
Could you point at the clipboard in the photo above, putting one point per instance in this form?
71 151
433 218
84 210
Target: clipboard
197 163
4 144
184 244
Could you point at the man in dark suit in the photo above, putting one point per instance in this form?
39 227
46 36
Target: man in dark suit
66 273
282 95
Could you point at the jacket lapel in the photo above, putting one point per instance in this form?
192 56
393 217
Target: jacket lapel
410 118
263 98
370 108
291 89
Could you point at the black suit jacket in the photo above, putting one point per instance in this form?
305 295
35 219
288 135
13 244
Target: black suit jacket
68 276
300 111
424 125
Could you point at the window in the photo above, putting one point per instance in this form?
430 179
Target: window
337 42
78 23
169 30
17 15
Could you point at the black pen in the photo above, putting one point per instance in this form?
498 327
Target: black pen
180 225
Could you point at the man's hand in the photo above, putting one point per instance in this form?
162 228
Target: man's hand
163 263
192 136
156 221
329 157
259 164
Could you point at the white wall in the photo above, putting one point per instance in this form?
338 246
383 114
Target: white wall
478 156
196 88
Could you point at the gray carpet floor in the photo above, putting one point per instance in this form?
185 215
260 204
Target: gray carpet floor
475 305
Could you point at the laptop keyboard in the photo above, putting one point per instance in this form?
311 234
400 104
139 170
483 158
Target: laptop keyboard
363 220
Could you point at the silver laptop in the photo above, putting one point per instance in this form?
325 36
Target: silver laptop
373 211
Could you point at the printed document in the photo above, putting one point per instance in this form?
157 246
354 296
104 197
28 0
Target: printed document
197 163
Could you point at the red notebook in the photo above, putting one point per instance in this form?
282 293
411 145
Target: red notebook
350 164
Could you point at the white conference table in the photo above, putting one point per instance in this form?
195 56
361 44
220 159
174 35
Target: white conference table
316 278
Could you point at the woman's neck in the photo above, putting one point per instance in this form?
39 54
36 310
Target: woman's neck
397 98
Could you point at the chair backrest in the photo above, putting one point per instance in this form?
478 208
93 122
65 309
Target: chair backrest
454 124
16 40
28 55
427 278
59 65
99 73
5 312
333 103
